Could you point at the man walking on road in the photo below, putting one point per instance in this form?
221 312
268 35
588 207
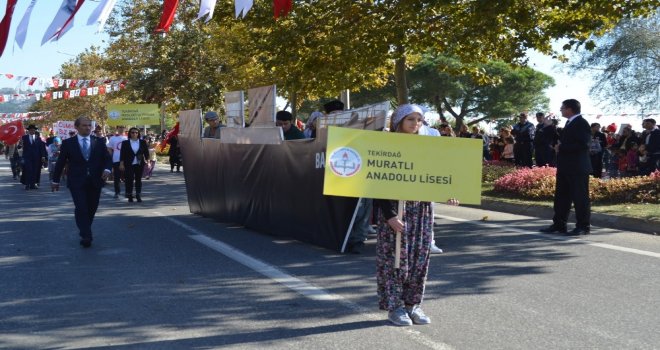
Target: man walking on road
573 169
34 157
89 165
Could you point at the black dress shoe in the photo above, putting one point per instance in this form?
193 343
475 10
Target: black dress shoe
86 243
553 229
130 199
138 198
578 231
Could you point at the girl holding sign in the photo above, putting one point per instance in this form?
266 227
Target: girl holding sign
401 288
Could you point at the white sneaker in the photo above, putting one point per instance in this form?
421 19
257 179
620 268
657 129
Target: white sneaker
435 249
400 317
417 315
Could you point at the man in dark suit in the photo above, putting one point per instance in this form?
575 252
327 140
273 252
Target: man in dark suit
573 169
651 139
89 165
34 157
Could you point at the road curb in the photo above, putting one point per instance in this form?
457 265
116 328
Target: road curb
597 219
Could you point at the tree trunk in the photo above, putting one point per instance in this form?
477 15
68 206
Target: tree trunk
400 77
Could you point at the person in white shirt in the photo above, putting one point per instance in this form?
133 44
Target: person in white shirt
133 156
114 147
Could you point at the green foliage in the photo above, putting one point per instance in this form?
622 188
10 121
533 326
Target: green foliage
501 90
494 170
626 64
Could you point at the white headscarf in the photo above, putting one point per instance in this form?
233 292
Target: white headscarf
402 111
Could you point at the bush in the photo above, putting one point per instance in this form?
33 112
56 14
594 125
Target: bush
539 184
493 170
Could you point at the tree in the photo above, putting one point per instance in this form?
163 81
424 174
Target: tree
87 65
501 91
626 64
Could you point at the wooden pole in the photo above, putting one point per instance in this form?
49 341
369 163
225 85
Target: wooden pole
397 245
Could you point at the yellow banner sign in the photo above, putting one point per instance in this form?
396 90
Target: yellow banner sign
374 164
133 114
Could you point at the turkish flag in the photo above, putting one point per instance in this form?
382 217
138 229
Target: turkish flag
11 133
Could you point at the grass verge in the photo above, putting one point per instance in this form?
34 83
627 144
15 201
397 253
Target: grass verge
647 212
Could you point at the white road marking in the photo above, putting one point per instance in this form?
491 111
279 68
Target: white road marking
555 237
295 284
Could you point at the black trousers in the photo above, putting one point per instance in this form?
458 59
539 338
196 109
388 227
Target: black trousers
544 155
597 165
133 173
86 201
572 189
117 175
522 153
32 171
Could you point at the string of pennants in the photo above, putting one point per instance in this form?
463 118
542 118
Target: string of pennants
101 89
10 117
63 20
56 83
612 115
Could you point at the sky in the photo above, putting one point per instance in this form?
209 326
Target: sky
45 61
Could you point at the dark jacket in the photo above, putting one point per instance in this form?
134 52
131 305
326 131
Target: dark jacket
127 155
653 147
80 169
573 156
294 134
33 151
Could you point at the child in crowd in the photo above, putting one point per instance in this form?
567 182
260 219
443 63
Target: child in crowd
494 149
613 164
508 149
151 161
622 162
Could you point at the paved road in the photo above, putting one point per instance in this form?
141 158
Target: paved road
158 277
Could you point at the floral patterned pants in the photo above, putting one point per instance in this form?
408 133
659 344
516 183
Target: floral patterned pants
404 286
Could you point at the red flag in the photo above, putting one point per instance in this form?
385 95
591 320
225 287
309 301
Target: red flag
73 83
282 7
169 9
83 92
5 24
32 80
9 76
11 133
102 90
66 94
170 135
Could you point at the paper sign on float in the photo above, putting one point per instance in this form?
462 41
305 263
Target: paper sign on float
373 164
